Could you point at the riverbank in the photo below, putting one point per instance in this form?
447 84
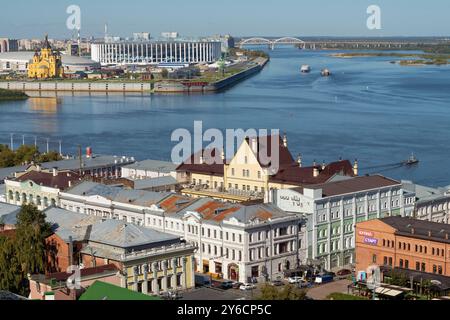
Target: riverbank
200 85
418 58
10 95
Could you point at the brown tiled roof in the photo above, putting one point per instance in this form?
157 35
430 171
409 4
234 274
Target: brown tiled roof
47 179
420 229
265 149
305 175
355 184
192 164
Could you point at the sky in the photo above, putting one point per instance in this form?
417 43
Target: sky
32 19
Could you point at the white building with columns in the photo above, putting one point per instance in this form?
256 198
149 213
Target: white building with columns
155 52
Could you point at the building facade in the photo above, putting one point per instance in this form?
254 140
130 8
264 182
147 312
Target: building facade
8 45
40 188
46 64
245 176
234 241
333 209
144 53
405 244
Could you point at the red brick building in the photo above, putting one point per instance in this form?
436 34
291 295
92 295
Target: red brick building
404 243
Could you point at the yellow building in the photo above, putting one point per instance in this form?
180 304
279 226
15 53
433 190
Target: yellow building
46 64
245 177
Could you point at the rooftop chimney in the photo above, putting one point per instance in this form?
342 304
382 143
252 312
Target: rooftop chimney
315 172
355 167
285 141
323 165
55 171
299 160
254 145
412 231
429 233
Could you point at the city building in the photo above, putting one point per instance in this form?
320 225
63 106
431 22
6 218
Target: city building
235 242
149 261
19 61
96 166
333 209
432 204
54 286
46 64
8 216
246 177
8 45
149 169
141 36
38 187
408 245
155 52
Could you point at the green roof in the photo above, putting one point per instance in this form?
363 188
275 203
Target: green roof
105 291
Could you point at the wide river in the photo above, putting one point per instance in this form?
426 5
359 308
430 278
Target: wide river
369 109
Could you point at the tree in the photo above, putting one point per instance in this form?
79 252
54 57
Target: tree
7 157
11 278
47 157
26 154
289 292
31 232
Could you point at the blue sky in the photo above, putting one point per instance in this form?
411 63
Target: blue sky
25 18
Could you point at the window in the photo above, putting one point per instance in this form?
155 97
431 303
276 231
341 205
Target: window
374 258
232 172
259 174
440 269
418 266
390 261
434 268
385 261
423 267
406 264
401 263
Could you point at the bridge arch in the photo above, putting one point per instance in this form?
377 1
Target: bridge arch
288 40
255 41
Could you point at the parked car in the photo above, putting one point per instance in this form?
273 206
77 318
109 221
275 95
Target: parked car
227 285
237 285
324 279
276 283
295 279
343 272
247 286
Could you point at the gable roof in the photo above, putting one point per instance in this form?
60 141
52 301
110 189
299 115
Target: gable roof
153 165
61 180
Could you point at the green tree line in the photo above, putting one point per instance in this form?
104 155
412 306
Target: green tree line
25 154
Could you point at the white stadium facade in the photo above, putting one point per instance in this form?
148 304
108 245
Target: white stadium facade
143 53
18 61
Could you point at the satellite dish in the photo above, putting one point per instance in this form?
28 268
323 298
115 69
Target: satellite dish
373 277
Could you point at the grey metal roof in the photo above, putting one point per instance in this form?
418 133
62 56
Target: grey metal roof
9 172
153 165
93 162
140 184
8 213
69 224
124 235
118 194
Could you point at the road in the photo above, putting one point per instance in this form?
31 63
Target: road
321 292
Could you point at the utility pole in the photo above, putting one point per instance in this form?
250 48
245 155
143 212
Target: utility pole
80 157
48 147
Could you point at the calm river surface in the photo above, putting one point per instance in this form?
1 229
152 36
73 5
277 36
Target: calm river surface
369 109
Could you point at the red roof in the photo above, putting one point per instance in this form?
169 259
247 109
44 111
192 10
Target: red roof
47 179
208 166
305 175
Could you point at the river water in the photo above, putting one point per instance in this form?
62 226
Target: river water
369 109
